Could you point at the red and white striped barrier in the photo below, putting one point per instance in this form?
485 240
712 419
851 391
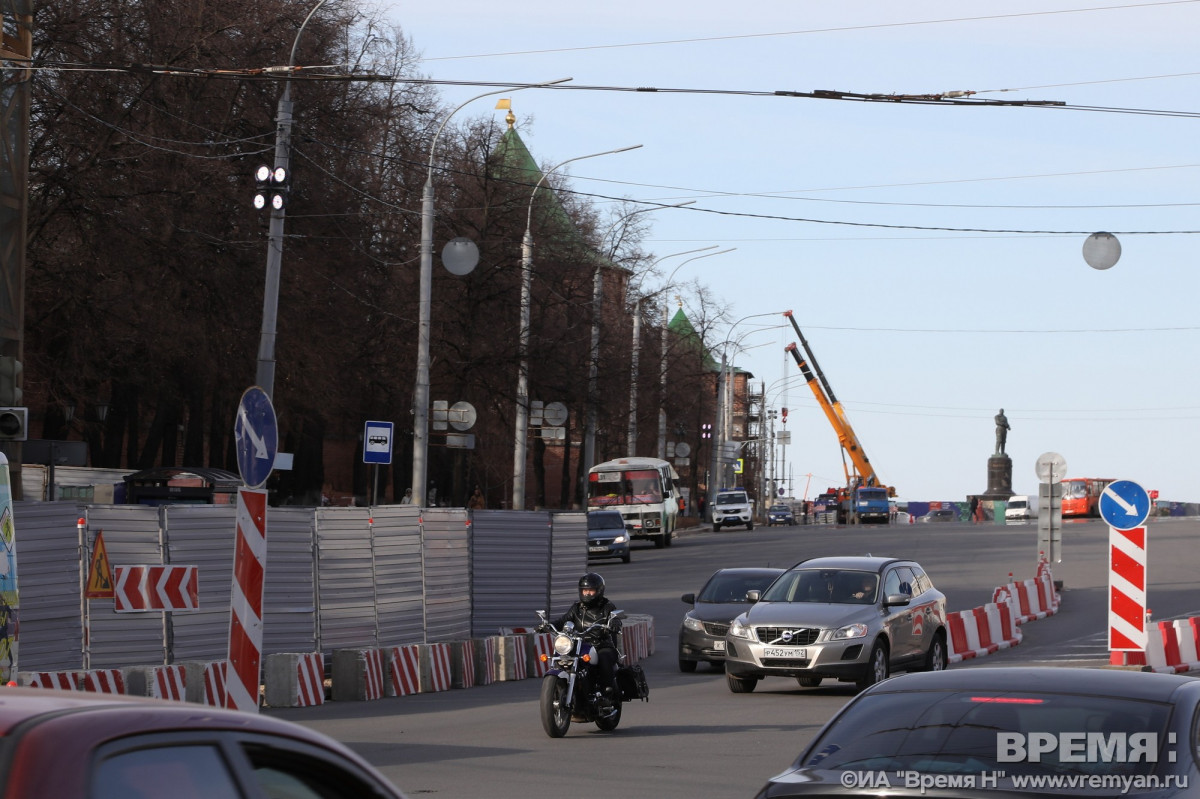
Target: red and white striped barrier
1172 647
215 692
1036 598
981 631
514 663
464 659
294 679
486 659
404 670
246 601
436 674
358 675
63 680
103 681
541 648
167 682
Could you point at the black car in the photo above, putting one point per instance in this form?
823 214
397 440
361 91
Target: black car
607 536
702 634
1006 732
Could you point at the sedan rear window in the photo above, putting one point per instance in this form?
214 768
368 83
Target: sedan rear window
984 732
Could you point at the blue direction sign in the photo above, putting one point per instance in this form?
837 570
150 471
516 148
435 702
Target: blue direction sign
256 434
1124 504
377 442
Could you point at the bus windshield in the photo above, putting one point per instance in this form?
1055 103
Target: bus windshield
628 487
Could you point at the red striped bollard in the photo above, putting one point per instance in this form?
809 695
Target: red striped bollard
245 614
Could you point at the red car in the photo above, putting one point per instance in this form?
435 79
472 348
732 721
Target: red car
75 745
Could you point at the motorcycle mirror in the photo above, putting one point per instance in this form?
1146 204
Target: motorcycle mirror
618 614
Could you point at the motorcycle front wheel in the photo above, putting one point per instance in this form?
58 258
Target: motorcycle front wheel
610 723
556 716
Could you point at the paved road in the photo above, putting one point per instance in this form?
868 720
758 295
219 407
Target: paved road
694 738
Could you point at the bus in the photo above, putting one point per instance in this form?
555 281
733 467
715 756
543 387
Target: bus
644 490
1081 496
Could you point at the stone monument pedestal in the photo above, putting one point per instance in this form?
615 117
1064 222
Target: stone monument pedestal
999 484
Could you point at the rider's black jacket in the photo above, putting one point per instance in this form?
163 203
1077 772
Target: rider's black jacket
583 616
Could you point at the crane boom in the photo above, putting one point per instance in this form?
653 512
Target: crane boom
832 408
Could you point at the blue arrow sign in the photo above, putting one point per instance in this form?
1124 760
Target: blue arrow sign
1124 504
377 442
257 437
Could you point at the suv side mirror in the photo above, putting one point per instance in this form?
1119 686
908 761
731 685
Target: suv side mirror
689 598
896 600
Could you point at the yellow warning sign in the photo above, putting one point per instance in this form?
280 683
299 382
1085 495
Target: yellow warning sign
100 575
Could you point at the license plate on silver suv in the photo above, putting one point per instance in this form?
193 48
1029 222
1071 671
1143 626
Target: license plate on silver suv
784 652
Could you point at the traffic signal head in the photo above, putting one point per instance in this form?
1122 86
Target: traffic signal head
10 388
270 187
14 423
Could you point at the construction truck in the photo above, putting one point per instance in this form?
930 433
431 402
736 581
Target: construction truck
864 498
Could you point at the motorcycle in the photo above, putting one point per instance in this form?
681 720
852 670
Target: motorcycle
570 689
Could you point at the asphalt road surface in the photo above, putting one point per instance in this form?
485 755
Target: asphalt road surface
695 738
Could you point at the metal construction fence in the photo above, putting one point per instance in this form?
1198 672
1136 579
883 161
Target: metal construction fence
335 578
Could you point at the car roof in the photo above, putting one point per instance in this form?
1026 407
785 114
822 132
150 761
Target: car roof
750 570
859 562
1147 686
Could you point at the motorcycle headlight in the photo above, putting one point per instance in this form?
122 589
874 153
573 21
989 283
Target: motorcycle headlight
563 644
849 631
692 623
739 629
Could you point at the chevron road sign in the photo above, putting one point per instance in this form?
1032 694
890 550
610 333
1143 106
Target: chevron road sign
144 588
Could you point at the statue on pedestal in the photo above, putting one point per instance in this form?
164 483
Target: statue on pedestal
1002 428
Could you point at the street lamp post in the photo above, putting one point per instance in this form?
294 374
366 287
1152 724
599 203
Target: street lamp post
521 432
420 458
264 375
593 394
631 430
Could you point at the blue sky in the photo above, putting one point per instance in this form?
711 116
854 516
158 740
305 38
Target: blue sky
871 220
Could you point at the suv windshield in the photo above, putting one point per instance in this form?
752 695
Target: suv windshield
732 498
838 586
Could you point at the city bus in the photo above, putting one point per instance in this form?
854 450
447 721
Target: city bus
644 490
1081 496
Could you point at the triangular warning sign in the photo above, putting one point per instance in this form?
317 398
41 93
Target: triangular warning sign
100 576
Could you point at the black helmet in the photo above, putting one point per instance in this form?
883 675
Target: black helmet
593 581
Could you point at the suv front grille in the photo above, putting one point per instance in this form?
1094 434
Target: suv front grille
801 636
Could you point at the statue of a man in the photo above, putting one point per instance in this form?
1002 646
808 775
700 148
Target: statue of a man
1002 428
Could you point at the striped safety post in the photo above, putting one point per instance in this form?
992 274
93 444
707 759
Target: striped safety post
168 682
404 670
245 617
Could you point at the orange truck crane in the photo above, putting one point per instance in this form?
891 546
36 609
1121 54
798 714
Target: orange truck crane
864 494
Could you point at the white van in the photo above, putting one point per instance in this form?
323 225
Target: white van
1021 506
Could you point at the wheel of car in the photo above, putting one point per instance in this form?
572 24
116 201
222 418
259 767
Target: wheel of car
687 666
626 557
716 527
749 526
877 667
741 685
658 542
936 658
808 682
670 537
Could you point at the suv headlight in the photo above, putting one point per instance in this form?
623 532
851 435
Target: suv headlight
849 631
739 629
692 623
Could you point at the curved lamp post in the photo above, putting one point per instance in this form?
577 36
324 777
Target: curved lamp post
420 460
593 394
521 442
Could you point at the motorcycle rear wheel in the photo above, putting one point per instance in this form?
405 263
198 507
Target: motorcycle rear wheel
556 716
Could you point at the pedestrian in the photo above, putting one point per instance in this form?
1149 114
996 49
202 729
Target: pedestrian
477 502
407 498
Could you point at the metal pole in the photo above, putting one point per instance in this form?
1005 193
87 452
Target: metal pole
521 433
265 373
420 458
634 360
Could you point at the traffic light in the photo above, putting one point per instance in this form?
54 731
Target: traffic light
10 384
271 188
14 423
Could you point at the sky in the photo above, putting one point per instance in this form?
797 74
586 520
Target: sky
932 255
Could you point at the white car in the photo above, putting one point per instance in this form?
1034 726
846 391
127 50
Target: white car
732 507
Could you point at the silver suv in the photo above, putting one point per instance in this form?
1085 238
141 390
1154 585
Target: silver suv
854 619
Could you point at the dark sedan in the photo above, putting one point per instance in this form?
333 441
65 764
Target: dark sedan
702 634
780 514
1004 732
72 745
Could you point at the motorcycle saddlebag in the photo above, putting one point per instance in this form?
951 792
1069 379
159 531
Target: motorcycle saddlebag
632 682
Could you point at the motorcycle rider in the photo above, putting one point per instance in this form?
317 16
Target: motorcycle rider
593 608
